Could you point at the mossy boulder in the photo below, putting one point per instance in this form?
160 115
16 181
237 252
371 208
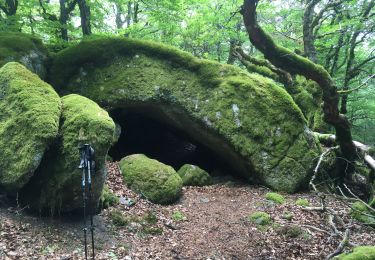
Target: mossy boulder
29 121
158 182
193 175
247 120
359 253
25 49
56 185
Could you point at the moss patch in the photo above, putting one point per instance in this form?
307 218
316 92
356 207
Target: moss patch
57 183
302 202
275 197
29 120
246 119
359 253
108 198
192 175
260 218
158 182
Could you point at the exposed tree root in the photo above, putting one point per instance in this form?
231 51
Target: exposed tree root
362 149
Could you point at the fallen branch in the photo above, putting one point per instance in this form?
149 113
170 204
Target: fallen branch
358 199
311 183
342 245
363 149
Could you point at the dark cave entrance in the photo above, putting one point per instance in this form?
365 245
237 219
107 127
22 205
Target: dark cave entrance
142 133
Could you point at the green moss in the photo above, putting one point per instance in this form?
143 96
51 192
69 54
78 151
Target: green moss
158 182
29 120
359 253
288 216
118 219
251 123
192 175
178 216
25 49
260 218
108 199
358 208
290 231
275 197
302 202
57 184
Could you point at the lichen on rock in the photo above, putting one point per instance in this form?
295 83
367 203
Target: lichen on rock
193 175
29 120
56 186
158 182
25 49
245 119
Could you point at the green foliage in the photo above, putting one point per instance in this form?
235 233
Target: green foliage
108 199
302 202
192 175
275 197
260 218
158 182
178 216
359 253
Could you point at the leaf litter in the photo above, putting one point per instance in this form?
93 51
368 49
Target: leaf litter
210 222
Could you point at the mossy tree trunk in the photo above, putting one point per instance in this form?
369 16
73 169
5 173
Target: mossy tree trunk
295 64
263 67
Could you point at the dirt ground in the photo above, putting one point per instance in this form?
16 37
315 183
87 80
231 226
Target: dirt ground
206 223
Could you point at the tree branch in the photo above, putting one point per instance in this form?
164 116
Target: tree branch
295 64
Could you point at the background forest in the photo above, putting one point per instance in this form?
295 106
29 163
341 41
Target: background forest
336 34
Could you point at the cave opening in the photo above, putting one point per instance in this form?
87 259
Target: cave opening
142 133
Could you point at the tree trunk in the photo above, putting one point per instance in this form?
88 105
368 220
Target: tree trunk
308 30
295 64
119 14
129 16
10 7
85 14
63 21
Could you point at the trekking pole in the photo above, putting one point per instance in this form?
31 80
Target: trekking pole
91 167
87 163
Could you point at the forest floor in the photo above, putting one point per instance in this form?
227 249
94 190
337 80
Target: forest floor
206 223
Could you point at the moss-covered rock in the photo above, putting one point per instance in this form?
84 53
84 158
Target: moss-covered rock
193 175
158 182
57 183
25 49
359 253
29 120
245 119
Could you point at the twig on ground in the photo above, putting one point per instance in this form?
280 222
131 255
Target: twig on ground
358 199
344 242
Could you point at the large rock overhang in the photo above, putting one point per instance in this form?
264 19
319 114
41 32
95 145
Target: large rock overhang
246 119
